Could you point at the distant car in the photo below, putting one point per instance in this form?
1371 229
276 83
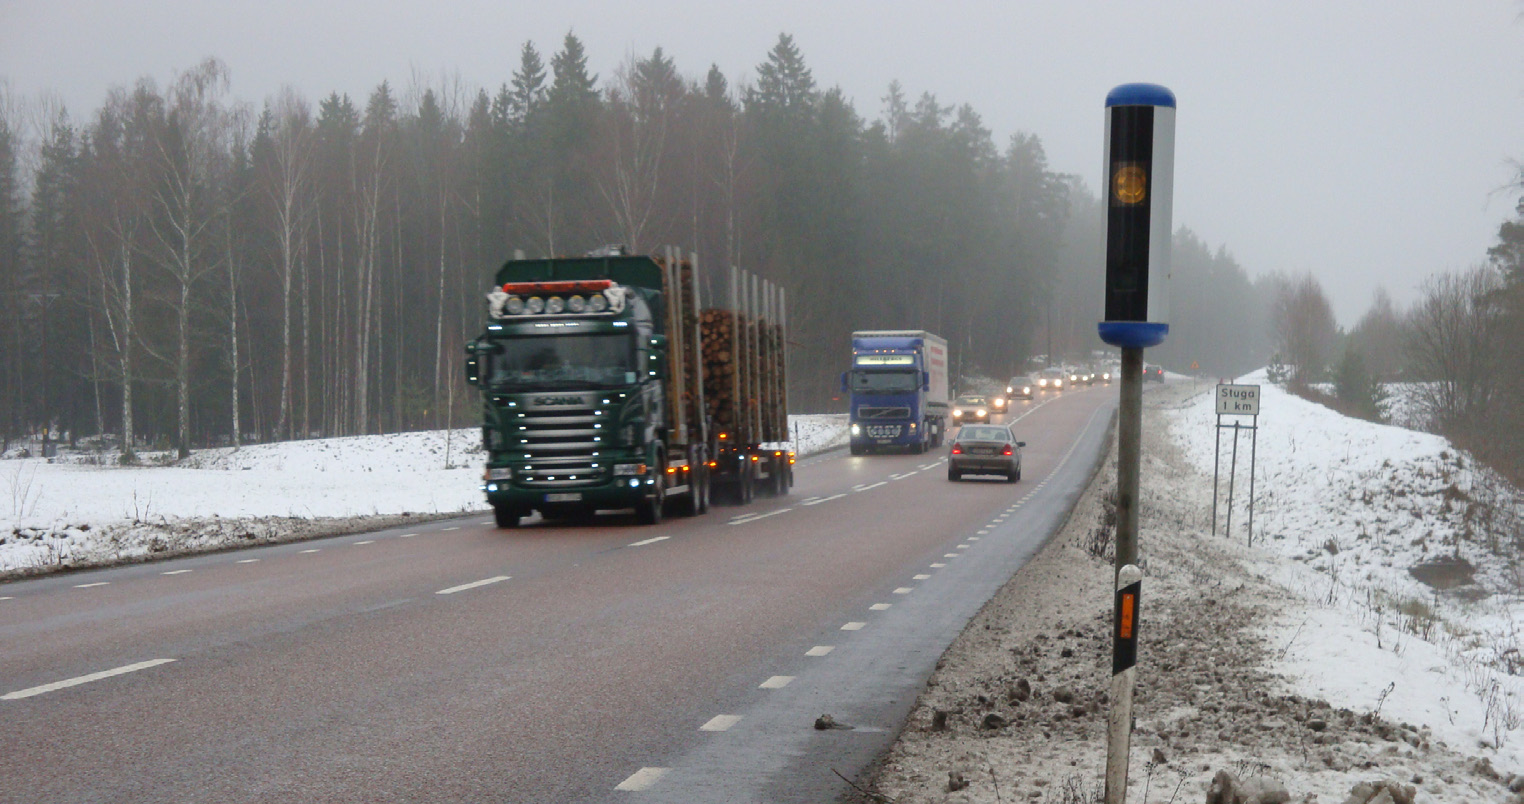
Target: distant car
1020 388
970 408
985 449
999 402
1050 380
1105 376
1153 373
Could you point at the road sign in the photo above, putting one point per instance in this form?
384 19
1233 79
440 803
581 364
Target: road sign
1195 366
1238 400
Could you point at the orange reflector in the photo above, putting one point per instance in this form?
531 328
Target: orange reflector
723 436
713 464
754 457
1126 619
671 470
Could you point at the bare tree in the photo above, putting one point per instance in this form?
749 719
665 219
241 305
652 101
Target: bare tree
1304 328
643 102
287 183
191 152
1453 344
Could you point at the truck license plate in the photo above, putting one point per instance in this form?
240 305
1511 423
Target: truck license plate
571 496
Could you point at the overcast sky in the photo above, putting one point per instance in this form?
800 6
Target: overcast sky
1367 142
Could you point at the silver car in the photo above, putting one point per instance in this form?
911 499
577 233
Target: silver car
985 449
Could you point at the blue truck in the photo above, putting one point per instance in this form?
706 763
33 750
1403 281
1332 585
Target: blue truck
898 390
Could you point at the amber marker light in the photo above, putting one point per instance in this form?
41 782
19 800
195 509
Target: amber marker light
1130 184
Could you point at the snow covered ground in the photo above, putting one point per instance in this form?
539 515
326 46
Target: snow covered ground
1405 556
80 509
1367 638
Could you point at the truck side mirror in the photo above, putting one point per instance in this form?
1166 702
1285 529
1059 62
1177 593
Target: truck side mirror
925 381
844 388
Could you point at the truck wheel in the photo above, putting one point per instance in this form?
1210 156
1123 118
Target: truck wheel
648 512
856 450
746 487
780 477
696 501
506 517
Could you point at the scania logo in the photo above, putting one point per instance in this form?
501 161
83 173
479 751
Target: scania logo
546 401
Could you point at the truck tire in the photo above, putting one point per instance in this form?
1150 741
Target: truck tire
696 501
506 517
746 486
857 450
780 477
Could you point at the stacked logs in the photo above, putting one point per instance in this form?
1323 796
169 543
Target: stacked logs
743 376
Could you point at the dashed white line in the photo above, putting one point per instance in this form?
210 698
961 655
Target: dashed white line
880 606
645 542
720 723
904 590
248 561
853 626
642 779
984 532
949 555
809 501
823 499
88 585
920 577
820 650
903 475
411 535
962 547
938 566
7 598
175 572
871 486
367 541
452 527
472 585
973 538
311 551
776 683
755 517
73 682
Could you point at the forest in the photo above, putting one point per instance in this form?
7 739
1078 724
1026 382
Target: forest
182 269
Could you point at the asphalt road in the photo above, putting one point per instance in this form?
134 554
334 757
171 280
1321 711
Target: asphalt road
597 662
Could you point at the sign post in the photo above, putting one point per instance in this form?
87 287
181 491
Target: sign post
1235 401
1140 159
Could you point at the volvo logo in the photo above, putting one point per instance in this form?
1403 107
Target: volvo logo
547 401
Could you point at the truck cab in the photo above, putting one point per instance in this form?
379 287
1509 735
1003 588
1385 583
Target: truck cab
898 389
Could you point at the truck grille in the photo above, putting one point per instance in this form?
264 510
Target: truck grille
866 412
558 445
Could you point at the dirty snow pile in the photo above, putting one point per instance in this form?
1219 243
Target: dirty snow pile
82 509
1284 671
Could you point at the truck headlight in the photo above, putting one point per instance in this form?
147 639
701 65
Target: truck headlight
627 469
857 429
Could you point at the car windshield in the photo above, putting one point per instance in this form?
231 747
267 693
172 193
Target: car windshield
885 382
984 434
970 400
562 361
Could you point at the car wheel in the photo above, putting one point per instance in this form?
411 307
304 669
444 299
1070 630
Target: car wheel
1018 471
1013 475
954 475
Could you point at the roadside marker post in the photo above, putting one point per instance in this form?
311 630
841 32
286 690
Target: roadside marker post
1124 675
1140 167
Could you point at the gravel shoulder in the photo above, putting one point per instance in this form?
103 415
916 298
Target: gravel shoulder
1016 709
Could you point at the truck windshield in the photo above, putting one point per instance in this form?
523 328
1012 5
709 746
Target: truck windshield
885 382
563 361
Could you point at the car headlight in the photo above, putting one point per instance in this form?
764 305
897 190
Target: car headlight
983 412
1008 389
857 429
626 469
999 403
1026 389
957 412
